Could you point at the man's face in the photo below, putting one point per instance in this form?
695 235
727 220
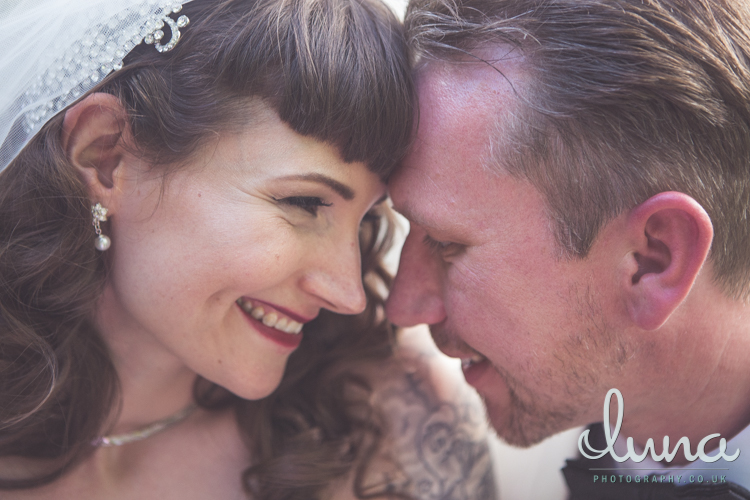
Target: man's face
482 268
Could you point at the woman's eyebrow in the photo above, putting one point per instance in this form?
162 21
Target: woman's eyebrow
345 191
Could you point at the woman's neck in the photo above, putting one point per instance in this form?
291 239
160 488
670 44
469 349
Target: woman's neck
154 383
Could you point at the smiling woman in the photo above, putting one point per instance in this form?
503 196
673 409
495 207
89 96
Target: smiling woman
190 250
217 263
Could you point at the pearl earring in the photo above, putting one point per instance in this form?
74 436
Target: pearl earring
99 212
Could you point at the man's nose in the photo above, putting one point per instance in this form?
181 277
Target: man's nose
416 296
336 278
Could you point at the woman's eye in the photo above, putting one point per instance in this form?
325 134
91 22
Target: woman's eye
310 204
441 248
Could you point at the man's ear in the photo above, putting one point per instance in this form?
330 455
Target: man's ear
669 236
92 133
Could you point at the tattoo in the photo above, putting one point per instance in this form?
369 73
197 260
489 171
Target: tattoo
431 449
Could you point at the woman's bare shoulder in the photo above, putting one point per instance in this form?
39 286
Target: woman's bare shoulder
434 443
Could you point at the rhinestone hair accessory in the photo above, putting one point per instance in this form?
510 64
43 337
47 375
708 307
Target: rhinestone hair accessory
54 51
156 36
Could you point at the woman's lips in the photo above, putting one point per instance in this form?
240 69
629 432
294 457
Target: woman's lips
272 324
269 316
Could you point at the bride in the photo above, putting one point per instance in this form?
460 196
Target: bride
193 223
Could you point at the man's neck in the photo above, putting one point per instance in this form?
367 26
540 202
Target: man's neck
702 385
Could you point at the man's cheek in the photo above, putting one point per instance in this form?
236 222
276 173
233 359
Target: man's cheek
466 276
474 292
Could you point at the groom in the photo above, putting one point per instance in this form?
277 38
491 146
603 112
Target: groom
579 198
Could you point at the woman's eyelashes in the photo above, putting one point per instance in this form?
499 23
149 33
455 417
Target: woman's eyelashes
309 204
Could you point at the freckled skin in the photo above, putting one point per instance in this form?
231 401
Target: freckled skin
499 288
641 312
218 233
246 218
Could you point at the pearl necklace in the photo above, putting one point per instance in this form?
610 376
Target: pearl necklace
148 431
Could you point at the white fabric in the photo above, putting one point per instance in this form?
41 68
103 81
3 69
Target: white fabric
53 51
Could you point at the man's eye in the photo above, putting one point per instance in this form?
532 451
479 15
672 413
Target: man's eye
441 248
310 204
372 216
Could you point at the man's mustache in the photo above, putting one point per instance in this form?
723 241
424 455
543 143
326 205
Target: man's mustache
450 343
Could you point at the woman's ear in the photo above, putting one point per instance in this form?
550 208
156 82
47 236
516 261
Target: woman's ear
670 236
92 132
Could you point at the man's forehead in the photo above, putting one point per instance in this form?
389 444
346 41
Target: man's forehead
460 103
443 191
419 196
497 67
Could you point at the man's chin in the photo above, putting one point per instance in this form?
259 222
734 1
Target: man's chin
516 430
509 429
524 423
520 415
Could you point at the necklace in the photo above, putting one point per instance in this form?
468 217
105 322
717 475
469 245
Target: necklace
148 431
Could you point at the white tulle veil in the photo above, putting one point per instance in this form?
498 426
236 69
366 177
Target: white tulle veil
53 51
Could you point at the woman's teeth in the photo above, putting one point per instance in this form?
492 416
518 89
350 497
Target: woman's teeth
469 362
271 318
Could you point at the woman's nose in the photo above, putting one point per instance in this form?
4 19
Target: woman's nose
335 277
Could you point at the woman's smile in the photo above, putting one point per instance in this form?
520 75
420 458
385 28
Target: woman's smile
271 322
231 303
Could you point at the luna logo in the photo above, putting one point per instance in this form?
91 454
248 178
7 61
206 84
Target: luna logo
632 455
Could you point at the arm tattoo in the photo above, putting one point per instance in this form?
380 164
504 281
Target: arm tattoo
432 449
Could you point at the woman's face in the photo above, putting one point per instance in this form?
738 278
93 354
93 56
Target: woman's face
243 247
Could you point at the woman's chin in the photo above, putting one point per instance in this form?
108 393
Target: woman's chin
255 386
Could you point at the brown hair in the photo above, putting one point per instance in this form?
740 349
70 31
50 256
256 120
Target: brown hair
628 98
335 70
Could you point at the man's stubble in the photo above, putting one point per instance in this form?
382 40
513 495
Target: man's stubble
566 392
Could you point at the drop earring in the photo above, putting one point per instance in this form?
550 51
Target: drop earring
99 212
